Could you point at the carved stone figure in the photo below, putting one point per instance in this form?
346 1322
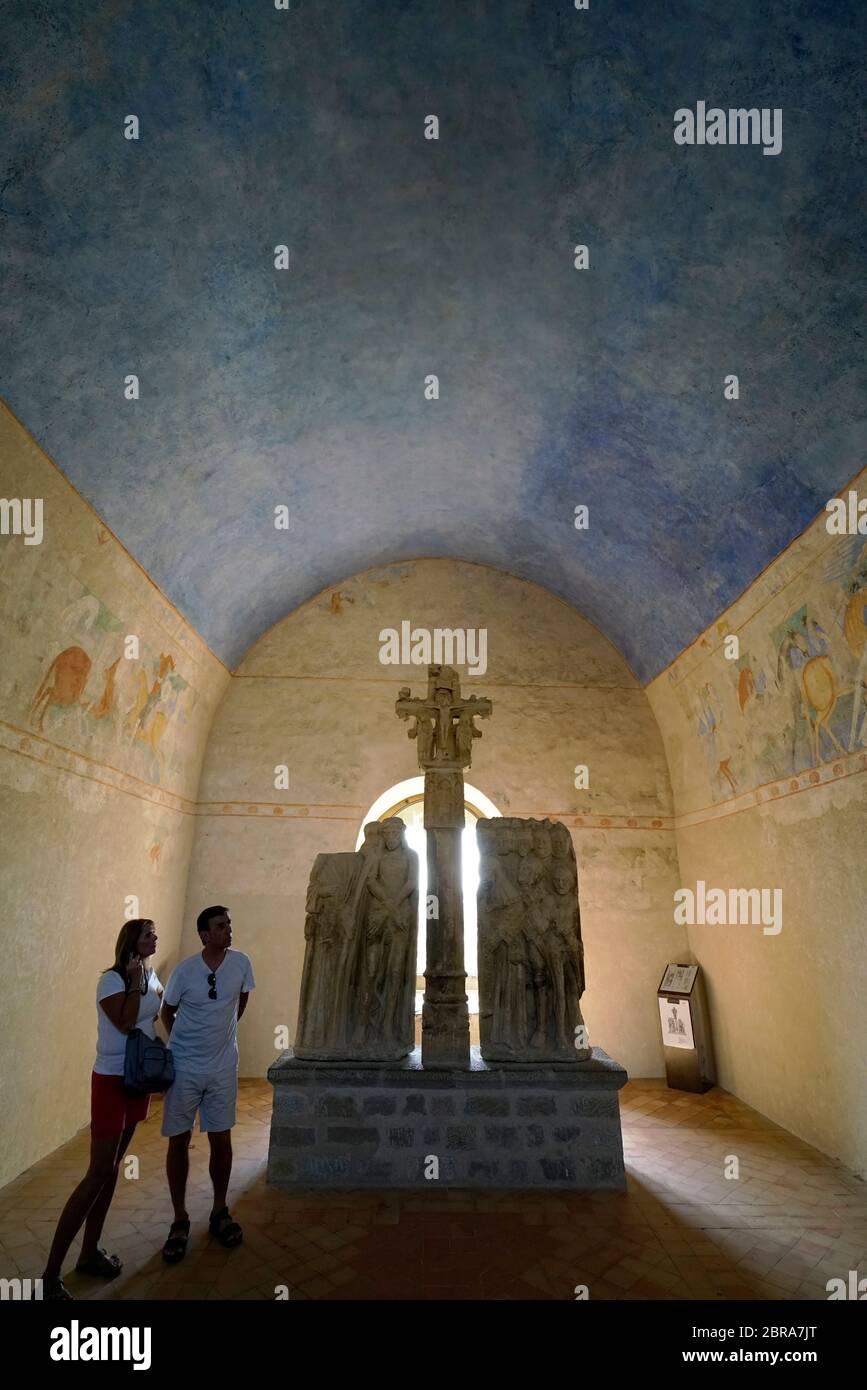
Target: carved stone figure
444 727
325 979
531 972
386 1015
423 731
358 982
502 944
465 732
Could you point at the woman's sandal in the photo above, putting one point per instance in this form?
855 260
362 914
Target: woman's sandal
229 1235
175 1247
102 1265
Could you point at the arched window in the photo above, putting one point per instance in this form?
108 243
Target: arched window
406 800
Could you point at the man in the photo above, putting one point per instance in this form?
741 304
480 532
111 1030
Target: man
204 998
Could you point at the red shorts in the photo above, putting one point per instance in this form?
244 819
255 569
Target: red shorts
113 1108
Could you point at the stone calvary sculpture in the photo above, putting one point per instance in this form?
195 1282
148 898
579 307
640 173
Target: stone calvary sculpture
358 981
356 1103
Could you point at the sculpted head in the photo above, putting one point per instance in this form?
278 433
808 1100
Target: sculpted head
542 844
561 879
392 832
524 843
560 842
529 872
372 836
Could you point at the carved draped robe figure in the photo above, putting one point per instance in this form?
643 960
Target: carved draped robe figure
502 949
331 1012
565 956
327 930
531 973
535 902
423 732
385 1027
465 732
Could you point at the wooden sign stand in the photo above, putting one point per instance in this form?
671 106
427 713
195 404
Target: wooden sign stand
685 1026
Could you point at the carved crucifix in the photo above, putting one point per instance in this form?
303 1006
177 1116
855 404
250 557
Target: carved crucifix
444 730
444 726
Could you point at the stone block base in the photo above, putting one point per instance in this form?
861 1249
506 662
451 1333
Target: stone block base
352 1124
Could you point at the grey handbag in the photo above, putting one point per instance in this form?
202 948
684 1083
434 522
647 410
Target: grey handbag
148 1064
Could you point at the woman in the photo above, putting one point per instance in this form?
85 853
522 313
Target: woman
128 996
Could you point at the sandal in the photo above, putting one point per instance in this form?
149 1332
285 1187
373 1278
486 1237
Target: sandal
175 1247
102 1265
228 1235
55 1291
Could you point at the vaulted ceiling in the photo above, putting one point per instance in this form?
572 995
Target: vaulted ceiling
410 257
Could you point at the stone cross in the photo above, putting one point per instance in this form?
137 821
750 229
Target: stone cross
444 723
444 729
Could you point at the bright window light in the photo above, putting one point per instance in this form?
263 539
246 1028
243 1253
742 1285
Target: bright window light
405 800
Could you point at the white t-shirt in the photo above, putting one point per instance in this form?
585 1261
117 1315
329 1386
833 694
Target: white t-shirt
110 1041
204 1034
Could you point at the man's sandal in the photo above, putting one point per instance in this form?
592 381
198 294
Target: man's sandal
102 1265
227 1231
175 1247
54 1291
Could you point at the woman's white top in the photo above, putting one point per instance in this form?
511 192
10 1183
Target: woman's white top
110 1041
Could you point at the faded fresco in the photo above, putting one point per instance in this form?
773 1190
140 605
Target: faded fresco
128 710
797 696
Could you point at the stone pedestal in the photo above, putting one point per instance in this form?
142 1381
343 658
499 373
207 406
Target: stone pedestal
509 1126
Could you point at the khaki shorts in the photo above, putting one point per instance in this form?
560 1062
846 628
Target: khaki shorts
214 1097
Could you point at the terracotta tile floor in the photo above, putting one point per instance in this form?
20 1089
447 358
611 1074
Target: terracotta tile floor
792 1220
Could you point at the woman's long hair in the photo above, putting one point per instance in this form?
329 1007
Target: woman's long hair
130 934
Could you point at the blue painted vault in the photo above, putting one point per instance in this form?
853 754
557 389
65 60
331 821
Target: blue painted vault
410 257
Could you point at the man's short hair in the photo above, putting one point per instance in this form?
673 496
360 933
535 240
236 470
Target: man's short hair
203 921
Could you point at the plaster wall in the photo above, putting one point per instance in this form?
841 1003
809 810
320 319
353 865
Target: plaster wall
313 695
99 766
768 756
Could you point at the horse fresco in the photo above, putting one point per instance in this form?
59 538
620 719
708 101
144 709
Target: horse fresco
62 684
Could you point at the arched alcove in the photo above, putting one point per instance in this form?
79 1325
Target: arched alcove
406 800
315 698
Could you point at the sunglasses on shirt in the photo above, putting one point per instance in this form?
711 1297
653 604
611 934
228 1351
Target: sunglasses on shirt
212 981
